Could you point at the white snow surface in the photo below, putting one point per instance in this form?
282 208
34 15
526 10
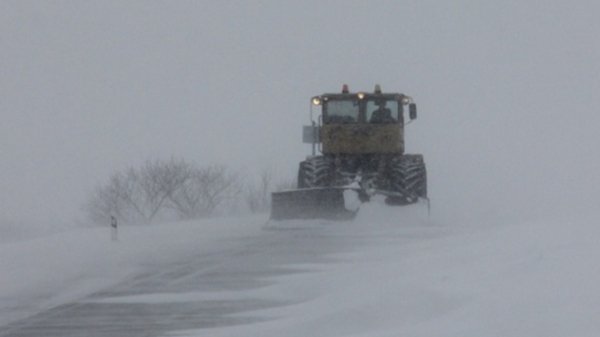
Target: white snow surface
44 272
416 276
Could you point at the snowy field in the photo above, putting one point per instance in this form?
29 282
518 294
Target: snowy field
410 276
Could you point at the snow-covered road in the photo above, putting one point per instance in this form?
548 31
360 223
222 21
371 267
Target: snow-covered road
199 291
221 281
390 272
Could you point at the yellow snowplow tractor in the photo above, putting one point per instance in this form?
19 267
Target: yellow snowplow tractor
357 145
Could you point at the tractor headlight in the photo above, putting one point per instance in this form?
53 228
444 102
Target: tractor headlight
316 100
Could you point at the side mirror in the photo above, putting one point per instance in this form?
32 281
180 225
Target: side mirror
412 111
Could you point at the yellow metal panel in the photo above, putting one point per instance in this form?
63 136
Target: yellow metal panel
362 138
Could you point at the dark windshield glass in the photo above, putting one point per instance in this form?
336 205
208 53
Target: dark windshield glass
382 111
342 112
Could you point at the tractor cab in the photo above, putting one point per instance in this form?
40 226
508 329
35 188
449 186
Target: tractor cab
362 123
364 108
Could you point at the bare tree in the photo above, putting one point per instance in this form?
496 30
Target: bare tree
205 190
118 197
163 189
159 181
258 195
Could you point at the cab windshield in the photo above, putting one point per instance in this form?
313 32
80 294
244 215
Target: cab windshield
382 111
342 111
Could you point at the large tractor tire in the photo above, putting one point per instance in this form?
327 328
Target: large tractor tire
408 178
315 172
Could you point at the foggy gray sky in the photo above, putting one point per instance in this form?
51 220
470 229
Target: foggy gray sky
508 110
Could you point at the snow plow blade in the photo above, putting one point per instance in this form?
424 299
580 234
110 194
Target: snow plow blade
315 203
